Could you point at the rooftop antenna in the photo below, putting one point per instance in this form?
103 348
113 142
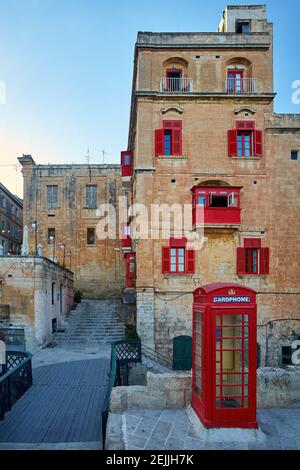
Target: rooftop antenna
103 156
88 158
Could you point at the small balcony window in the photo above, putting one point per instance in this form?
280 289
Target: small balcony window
237 83
216 205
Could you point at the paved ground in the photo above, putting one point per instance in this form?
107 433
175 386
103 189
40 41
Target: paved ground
63 408
172 430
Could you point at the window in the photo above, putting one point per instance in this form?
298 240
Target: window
294 155
176 259
90 236
52 192
17 213
168 141
245 140
91 196
252 258
235 83
3 226
126 162
51 236
243 27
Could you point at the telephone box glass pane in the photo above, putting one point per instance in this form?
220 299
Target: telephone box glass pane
198 354
232 361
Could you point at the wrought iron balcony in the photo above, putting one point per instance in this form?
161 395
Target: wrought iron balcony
176 85
237 86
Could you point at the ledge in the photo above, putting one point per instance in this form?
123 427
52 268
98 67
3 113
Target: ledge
249 159
172 158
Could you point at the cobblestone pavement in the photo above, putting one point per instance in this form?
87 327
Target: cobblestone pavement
171 430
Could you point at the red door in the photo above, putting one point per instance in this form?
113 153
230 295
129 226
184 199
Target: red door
130 270
198 388
235 82
234 367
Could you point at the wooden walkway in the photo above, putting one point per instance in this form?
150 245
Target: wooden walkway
63 406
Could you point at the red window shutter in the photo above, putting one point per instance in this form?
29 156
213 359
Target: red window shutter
165 260
168 124
159 142
265 261
177 140
241 261
252 242
232 143
178 242
190 261
245 125
258 143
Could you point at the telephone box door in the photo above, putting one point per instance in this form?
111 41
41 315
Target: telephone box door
234 365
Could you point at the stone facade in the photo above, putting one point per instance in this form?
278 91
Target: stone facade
39 294
56 203
11 222
270 183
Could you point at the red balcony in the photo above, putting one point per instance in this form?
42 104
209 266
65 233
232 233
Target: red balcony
126 163
216 206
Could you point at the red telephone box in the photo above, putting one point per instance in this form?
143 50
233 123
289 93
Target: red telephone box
130 270
224 356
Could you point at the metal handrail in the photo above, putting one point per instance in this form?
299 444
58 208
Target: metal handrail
158 357
238 86
176 85
16 380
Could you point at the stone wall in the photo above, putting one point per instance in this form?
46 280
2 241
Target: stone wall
275 388
38 292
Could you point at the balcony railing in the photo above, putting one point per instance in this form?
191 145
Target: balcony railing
237 86
176 85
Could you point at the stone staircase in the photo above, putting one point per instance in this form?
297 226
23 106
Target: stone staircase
93 323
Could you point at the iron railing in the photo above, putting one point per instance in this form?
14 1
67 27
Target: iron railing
161 359
176 85
123 353
237 86
15 380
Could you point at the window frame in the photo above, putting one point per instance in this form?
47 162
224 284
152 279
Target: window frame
294 153
91 197
93 231
52 204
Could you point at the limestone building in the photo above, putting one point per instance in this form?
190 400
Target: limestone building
61 211
11 220
203 131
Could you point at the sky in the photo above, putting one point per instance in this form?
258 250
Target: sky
67 70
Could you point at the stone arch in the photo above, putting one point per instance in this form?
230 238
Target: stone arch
215 183
240 63
175 61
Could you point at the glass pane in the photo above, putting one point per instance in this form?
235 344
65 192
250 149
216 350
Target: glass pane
232 360
173 268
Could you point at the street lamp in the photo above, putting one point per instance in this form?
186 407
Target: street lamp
63 247
52 240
